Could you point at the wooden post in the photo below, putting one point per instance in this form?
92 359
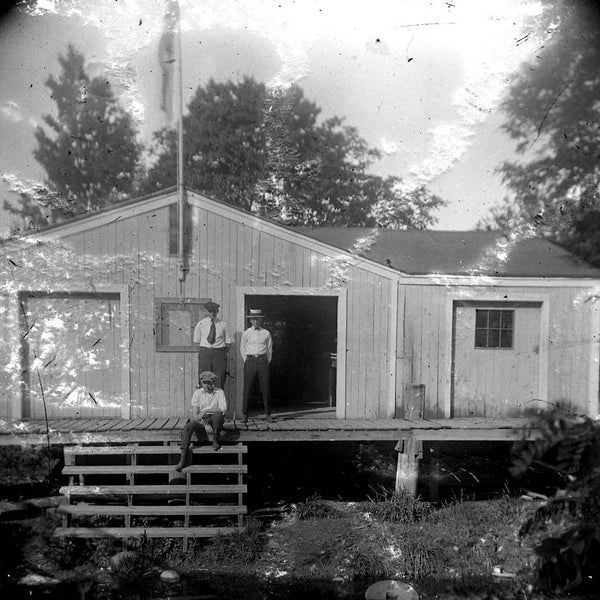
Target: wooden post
410 450
414 401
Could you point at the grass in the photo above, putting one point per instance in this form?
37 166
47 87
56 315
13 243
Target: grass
396 507
315 507
391 536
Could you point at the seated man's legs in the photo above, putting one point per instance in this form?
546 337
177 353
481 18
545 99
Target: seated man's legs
191 427
216 421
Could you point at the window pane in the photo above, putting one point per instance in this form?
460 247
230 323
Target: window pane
506 339
494 338
494 319
178 327
481 318
481 338
507 319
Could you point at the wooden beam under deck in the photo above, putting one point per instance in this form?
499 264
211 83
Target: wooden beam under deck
168 431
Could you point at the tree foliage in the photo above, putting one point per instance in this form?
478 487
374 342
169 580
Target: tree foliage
568 524
90 152
553 114
266 151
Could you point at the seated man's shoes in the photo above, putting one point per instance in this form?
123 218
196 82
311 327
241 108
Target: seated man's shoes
215 443
181 464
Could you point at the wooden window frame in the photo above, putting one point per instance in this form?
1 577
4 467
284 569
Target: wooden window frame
196 307
500 329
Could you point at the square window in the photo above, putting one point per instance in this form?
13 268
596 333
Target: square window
494 328
175 323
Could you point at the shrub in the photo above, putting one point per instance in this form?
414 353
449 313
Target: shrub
569 524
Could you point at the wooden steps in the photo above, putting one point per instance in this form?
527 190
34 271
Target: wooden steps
133 490
132 532
109 509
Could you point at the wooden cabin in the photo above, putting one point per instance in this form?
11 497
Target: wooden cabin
367 324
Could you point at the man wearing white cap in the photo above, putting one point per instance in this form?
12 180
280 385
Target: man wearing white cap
209 406
256 348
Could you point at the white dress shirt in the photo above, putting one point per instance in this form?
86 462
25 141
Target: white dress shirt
207 403
256 341
222 337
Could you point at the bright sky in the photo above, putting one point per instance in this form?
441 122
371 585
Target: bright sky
420 80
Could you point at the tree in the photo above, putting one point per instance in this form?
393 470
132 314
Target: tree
553 111
91 154
266 151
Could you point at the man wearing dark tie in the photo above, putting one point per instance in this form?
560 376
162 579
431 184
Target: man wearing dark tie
256 348
213 340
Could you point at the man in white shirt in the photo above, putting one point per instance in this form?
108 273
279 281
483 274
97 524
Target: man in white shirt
209 406
213 340
256 349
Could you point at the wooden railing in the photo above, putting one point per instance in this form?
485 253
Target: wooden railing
133 490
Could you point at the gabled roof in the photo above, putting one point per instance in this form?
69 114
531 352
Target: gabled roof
486 253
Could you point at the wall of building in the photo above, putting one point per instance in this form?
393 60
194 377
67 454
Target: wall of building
571 343
225 255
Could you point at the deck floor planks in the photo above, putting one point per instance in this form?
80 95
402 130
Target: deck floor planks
121 425
159 423
88 425
172 423
334 425
65 426
277 425
344 425
285 425
315 424
145 424
423 423
133 424
112 425
150 429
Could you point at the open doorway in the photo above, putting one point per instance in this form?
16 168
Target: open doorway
303 368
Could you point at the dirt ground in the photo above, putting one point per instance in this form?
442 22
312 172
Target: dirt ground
462 550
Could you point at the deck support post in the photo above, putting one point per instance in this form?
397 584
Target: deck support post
410 450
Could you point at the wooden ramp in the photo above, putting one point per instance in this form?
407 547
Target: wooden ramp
133 490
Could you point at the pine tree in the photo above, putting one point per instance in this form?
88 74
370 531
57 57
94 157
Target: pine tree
91 154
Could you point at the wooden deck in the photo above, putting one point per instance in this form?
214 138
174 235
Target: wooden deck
288 428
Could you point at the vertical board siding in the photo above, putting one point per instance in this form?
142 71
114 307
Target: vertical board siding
422 340
227 254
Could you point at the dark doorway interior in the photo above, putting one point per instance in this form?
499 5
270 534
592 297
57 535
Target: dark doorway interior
304 331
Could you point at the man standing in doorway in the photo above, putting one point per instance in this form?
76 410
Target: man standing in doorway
256 349
213 339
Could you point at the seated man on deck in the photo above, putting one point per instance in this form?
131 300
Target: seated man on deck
208 407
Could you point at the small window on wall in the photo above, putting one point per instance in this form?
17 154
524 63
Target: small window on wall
175 322
494 328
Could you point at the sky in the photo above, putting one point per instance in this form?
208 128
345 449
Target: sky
423 81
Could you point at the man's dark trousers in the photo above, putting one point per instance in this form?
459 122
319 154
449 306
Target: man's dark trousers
257 367
215 360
